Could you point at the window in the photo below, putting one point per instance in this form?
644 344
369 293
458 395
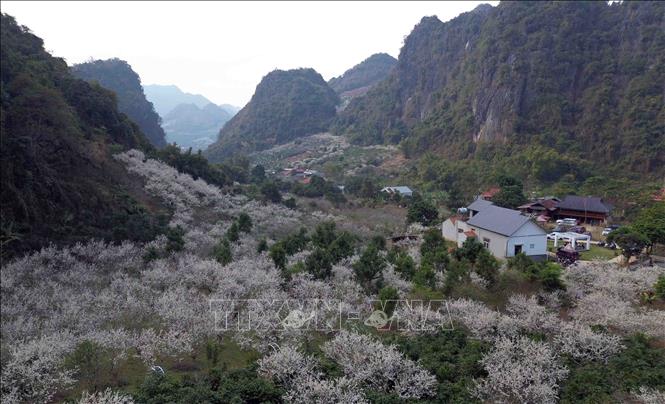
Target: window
532 246
460 231
486 242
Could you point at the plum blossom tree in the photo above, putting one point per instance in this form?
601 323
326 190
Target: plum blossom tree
520 370
370 363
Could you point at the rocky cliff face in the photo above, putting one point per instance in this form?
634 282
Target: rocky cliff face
286 105
362 77
581 77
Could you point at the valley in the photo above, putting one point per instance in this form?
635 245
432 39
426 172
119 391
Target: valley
479 220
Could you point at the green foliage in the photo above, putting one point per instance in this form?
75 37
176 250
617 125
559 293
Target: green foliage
90 361
433 250
388 297
639 364
550 276
175 239
222 252
422 212
232 234
487 267
270 192
343 246
659 287
197 166
629 240
369 268
370 71
290 203
118 76
470 250
287 105
262 246
216 386
244 223
278 255
452 357
258 174
549 128
318 187
405 266
54 188
425 276
548 273
318 263
651 223
324 234
511 195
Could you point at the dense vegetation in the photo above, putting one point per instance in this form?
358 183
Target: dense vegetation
59 183
118 76
560 92
365 74
286 105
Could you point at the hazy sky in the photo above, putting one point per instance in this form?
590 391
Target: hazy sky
223 49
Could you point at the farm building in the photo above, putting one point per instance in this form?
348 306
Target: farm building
504 232
586 209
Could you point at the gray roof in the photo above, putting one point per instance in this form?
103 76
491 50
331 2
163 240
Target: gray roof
400 189
479 204
498 220
584 203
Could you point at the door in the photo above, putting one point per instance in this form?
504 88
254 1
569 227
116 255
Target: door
518 248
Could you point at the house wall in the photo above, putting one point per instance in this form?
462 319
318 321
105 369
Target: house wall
449 230
527 235
497 244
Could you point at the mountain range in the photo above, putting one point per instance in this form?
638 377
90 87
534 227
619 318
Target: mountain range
579 83
189 125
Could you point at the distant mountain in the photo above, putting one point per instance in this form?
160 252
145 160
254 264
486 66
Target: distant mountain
286 105
189 125
360 78
118 76
59 181
564 85
167 97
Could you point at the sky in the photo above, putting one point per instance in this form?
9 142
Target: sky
222 49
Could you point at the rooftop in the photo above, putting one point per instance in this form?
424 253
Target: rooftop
499 220
584 203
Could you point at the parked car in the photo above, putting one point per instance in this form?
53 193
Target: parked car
551 236
607 231
570 221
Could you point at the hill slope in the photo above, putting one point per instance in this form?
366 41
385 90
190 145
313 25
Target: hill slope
361 77
582 80
286 105
59 182
118 76
189 125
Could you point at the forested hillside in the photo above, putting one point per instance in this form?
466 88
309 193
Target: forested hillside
286 105
118 76
365 74
58 180
551 91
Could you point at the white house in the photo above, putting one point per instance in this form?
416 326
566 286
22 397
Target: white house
504 232
402 190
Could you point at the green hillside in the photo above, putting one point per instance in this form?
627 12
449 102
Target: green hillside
59 182
286 105
553 92
118 76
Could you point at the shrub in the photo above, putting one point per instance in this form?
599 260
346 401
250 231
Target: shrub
318 264
659 287
244 223
222 252
175 239
388 298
